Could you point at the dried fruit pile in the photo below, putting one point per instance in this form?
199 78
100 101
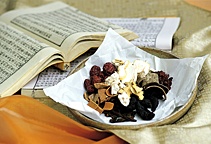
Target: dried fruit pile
123 89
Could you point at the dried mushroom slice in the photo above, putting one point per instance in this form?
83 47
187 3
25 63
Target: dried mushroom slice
155 91
108 106
101 85
149 78
102 95
108 92
165 88
86 96
94 98
137 91
95 106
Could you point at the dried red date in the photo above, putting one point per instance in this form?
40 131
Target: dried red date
88 86
102 76
165 79
95 79
109 68
95 70
90 89
87 82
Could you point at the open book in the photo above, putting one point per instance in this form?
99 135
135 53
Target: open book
54 34
152 32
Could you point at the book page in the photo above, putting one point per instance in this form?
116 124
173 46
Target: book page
51 76
152 32
60 26
20 55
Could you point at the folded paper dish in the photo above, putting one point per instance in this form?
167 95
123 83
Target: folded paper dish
185 72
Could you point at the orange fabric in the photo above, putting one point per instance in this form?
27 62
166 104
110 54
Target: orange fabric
204 4
24 120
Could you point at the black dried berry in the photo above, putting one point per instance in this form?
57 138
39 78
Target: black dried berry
154 102
144 113
146 103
